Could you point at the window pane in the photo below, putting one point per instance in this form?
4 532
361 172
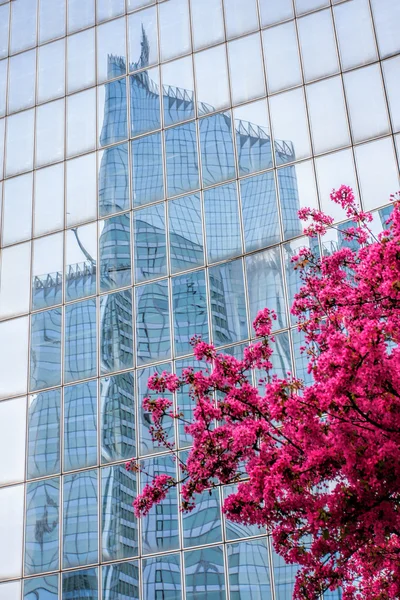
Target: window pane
238 530
260 212
253 140
111 50
329 127
4 29
81 261
355 33
42 526
47 271
212 80
160 526
49 199
204 572
144 89
265 285
207 22
80 361
177 89
121 580
44 434
22 81
386 16
246 69
115 252
150 243
222 222
119 524
80 426
13 357
106 9
143 39
41 588
17 211
81 122
80 14
366 102
51 71
228 303
78 582
113 180
19 149
274 12
15 280
23 25
185 233
281 56
240 17
80 520
182 160
11 530
81 74
147 444
217 154
116 334
284 577
303 6
52 19
331 171
174 28
81 189
118 432
290 126
318 46
12 440
162 577
50 121
249 574
152 325
147 170
391 72
45 349
189 298
112 112
297 188
3 86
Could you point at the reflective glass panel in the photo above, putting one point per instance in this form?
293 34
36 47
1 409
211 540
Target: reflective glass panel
81 74
42 526
177 90
265 285
44 434
52 19
81 189
142 39
47 271
119 524
204 573
274 12
212 80
185 233
147 170
11 529
181 159
77 585
189 298
19 148
17 210
106 9
150 243
111 50
80 426
281 56
45 349
144 89
160 526
80 360
112 112
41 588
162 577
203 524
249 574
318 46
152 322
50 121
10 590
115 252
23 25
113 180
117 405
233 530
241 16
207 22
290 126
12 440
81 122
51 71
121 580
228 303
3 85
80 520
331 170
284 577
15 289
260 212
386 16
297 188
116 333
217 154
81 261
13 357
22 81
80 14
355 33
391 72
222 222
246 69
4 29
174 29
303 6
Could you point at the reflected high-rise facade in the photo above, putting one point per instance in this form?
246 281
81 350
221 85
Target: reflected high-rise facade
155 157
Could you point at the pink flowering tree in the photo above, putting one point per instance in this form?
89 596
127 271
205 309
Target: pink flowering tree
317 465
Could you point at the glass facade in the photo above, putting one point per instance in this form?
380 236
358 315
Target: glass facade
153 157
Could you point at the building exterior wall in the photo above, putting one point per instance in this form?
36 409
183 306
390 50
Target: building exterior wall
153 157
